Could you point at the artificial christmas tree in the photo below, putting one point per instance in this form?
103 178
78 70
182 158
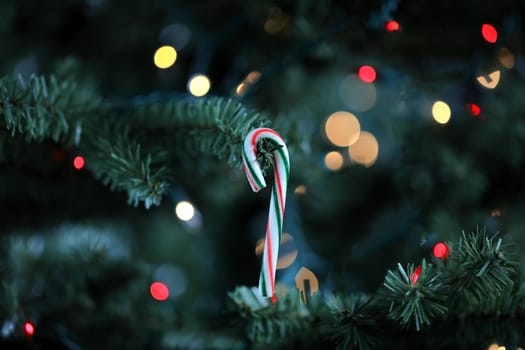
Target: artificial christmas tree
127 219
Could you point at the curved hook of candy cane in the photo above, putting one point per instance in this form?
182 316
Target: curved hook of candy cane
277 199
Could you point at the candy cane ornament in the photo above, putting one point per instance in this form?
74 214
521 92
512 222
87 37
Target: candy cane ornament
255 177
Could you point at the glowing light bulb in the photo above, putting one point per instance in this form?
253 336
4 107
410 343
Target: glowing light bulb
491 80
199 85
29 328
365 150
392 26
184 210
414 276
506 58
441 250
159 291
165 57
490 34
474 109
367 74
441 112
79 162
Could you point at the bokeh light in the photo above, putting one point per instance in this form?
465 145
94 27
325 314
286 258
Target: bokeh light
253 77
441 112
184 210
356 94
342 128
159 291
300 190
307 283
165 56
79 162
506 58
414 276
490 34
474 109
173 278
29 328
441 250
365 150
241 89
491 80
333 161
392 26
199 85
276 21
367 74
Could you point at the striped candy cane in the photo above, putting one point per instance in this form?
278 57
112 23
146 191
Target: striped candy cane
255 177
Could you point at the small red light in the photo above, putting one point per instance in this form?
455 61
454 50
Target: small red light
79 162
274 298
29 329
490 34
474 109
414 276
441 250
159 291
392 26
367 74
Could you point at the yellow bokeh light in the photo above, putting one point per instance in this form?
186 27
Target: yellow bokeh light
241 89
199 85
253 77
165 57
441 112
491 80
365 150
301 189
184 210
333 160
342 128
506 58
493 346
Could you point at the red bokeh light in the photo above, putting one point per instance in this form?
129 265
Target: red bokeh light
29 329
392 26
79 162
474 109
490 34
414 276
159 291
367 74
441 250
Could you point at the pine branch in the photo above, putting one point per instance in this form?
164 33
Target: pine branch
43 108
415 300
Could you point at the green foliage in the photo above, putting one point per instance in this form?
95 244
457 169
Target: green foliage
416 302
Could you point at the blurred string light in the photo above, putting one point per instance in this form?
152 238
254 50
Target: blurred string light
79 162
307 284
365 150
491 80
250 79
496 346
392 26
506 58
333 161
300 190
29 329
184 210
441 250
199 85
287 251
367 74
489 33
474 109
276 21
414 276
165 57
159 291
441 112
342 128
356 94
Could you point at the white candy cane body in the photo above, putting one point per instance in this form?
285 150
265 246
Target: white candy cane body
255 177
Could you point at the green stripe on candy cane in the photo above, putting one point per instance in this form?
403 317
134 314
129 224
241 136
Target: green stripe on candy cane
277 201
